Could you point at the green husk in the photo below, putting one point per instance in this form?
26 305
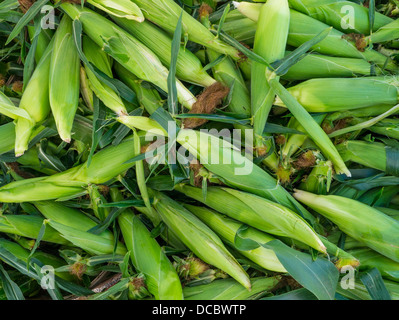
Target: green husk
201 240
333 13
270 43
322 66
228 289
295 141
121 8
105 166
43 41
360 221
257 212
68 216
29 227
318 181
8 109
64 83
386 33
35 100
329 95
387 127
227 229
148 258
45 258
188 67
93 244
369 154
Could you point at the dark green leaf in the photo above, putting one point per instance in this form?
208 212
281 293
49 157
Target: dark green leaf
375 285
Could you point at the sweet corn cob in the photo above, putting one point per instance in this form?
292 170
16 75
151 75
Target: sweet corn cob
106 165
270 43
35 100
360 221
165 13
303 28
227 229
122 8
256 212
334 13
228 289
329 95
125 49
64 82
147 257
199 238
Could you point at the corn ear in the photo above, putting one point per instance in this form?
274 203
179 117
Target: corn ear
148 258
64 79
35 100
227 73
227 229
122 8
270 43
68 216
29 227
228 289
199 238
334 13
360 221
329 95
257 212
102 61
372 155
386 33
322 66
93 244
153 215
188 67
43 41
105 166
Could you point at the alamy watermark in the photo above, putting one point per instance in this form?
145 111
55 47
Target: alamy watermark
47 281
48 20
348 20
348 280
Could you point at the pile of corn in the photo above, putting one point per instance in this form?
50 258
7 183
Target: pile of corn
111 189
